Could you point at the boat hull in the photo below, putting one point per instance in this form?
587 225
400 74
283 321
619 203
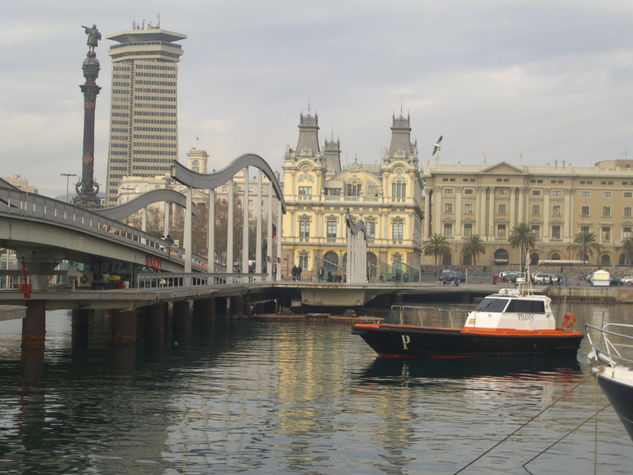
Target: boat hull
408 341
620 396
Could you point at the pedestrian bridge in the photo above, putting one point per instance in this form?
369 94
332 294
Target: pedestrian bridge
45 231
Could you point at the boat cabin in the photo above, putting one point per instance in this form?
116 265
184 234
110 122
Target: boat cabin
511 309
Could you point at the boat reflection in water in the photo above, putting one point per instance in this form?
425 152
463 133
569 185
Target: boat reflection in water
394 371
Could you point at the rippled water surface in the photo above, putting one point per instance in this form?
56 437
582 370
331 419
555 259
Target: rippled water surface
295 397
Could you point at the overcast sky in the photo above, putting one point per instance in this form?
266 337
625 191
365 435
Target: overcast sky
551 79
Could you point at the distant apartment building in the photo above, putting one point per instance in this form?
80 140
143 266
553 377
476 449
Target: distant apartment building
21 183
143 110
556 201
387 197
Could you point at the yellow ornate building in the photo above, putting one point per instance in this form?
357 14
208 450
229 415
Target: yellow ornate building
556 201
387 197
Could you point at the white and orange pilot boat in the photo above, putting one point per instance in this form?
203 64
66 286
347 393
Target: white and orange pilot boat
512 322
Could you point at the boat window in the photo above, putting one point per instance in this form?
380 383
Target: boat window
526 306
491 305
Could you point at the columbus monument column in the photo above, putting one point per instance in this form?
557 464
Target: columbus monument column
87 188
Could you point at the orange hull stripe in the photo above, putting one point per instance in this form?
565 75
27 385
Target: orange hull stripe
511 331
482 331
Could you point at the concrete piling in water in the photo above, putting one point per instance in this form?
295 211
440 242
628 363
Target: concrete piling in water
80 328
34 324
123 327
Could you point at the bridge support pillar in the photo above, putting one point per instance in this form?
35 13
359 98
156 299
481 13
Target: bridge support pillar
124 327
221 304
154 329
237 306
123 360
182 315
182 323
80 328
34 324
204 309
32 364
154 321
181 309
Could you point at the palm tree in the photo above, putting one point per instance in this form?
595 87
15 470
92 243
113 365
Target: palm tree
473 247
627 247
523 237
584 245
437 245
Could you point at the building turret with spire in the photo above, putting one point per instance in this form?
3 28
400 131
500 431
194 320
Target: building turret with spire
308 143
332 154
401 146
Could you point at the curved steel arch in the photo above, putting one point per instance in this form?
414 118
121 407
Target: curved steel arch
211 181
142 201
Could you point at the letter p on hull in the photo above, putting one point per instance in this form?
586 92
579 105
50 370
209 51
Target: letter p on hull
406 339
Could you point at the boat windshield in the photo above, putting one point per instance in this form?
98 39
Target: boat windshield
526 306
491 305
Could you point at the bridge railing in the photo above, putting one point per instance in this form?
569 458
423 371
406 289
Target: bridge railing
168 280
26 204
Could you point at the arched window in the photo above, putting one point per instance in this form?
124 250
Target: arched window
534 258
555 256
396 266
370 228
397 230
447 259
304 227
330 228
353 188
303 260
399 189
372 266
330 262
605 260
624 260
501 257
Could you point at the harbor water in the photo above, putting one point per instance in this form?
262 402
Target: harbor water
298 397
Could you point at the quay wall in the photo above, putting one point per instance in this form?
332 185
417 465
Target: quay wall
591 294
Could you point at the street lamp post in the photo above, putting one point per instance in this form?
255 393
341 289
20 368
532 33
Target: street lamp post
67 175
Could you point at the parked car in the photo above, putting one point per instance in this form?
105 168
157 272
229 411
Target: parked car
541 278
588 276
628 280
511 276
452 275
615 280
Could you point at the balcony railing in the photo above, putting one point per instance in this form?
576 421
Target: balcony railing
343 198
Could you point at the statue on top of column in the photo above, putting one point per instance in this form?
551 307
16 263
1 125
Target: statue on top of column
93 36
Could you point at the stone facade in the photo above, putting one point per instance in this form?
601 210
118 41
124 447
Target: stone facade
556 201
386 197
